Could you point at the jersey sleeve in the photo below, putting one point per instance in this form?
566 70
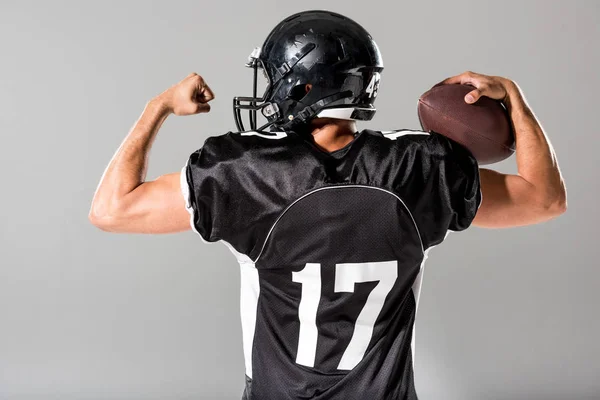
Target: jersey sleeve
200 195
219 184
444 192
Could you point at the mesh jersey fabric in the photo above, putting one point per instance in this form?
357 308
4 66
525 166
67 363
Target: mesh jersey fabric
331 247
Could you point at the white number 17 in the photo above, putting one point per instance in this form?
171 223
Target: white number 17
346 275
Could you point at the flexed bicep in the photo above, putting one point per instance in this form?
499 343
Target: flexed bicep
153 207
509 201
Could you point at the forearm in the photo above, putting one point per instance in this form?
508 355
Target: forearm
536 160
127 169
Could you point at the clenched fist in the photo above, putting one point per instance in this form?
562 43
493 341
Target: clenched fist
190 96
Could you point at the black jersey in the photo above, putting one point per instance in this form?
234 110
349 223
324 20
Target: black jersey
331 248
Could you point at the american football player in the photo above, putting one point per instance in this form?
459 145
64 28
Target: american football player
330 225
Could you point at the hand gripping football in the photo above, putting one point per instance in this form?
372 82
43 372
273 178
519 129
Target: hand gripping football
483 127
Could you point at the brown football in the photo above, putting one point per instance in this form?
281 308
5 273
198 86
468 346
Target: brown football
483 127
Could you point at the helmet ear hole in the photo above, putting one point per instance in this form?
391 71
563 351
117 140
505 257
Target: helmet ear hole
298 92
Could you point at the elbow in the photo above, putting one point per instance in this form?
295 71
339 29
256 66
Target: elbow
104 219
555 205
99 221
559 207
555 208
560 200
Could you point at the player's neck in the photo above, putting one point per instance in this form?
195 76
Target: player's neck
331 135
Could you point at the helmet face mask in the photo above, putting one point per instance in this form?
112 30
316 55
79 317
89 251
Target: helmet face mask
332 53
254 103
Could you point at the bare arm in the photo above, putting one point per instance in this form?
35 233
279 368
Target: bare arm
537 193
124 201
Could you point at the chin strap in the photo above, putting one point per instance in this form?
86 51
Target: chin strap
307 113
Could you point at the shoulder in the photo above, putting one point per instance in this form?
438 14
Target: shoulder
245 152
431 144
250 140
402 137
232 145
401 142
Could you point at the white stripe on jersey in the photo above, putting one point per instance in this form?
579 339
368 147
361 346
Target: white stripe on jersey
402 132
271 135
249 293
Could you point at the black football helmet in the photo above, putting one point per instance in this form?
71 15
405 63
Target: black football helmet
332 53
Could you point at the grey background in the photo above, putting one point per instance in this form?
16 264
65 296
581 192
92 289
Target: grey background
504 314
